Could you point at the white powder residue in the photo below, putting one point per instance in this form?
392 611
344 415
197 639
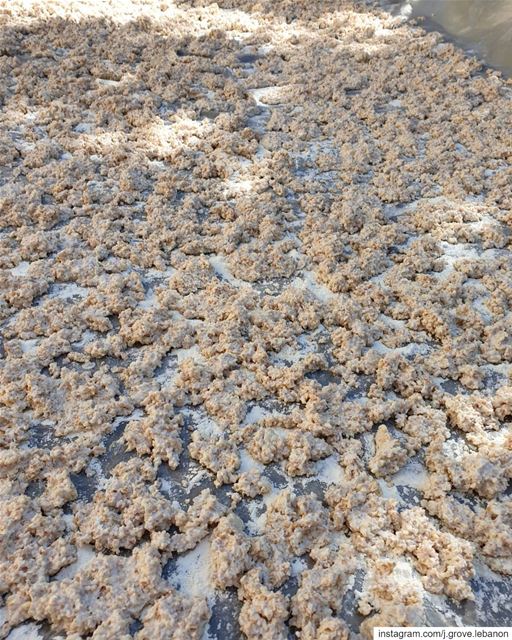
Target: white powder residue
95 469
21 269
236 185
195 478
28 631
410 349
168 375
87 337
150 301
329 471
203 423
257 511
388 491
247 462
29 346
84 555
264 96
158 274
191 575
192 352
221 269
255 414
297 352
308 281
297 566
68 290
412 475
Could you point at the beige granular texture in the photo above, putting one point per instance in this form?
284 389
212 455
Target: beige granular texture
230 557
256 282
263 612
174 617
321 588
390 454
395 598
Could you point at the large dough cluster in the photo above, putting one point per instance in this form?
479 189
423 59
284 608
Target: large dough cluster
256 320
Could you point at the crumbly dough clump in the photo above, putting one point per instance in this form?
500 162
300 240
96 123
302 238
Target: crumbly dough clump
255 318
